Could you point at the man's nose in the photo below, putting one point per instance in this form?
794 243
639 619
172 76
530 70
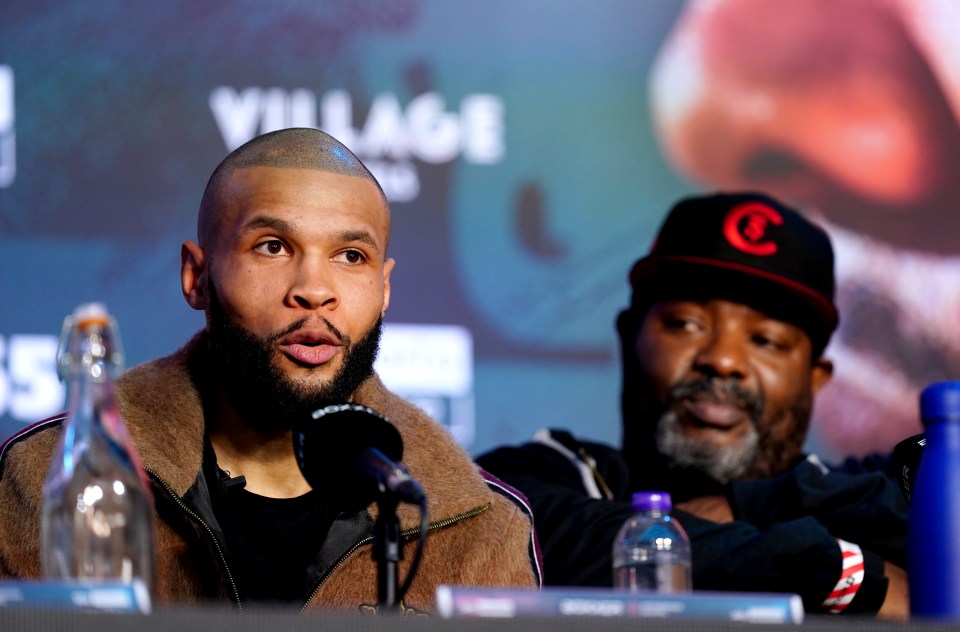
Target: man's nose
313 286
722 354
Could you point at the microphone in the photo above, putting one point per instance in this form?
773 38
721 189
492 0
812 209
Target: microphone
227 483
352 453
390 476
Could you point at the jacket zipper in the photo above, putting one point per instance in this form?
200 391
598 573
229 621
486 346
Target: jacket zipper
200 521
433 526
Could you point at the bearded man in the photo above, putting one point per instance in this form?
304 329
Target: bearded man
722 349
291 269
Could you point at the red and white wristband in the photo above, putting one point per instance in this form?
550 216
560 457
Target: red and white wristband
851 577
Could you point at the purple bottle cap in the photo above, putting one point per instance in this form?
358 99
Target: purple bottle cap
645 501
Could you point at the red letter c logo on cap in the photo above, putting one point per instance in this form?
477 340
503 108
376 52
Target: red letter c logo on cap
748 236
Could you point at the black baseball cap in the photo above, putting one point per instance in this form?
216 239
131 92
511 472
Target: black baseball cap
747 247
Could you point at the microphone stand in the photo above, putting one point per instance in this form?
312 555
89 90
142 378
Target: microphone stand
387 550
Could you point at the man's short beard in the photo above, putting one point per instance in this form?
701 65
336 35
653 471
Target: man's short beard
722 464
766 449
246 368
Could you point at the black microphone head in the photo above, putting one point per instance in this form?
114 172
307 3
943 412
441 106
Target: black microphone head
329 445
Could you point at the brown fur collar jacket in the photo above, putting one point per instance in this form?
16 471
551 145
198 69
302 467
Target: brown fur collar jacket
481 533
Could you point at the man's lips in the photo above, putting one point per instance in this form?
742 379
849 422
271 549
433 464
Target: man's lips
310 347
713 413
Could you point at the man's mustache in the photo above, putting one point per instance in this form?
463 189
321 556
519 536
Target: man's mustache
722 391
336 333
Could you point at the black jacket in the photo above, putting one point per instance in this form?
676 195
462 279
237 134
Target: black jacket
783 538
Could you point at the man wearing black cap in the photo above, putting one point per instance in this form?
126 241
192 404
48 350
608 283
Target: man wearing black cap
722 355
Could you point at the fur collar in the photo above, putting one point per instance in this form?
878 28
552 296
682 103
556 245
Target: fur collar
160 402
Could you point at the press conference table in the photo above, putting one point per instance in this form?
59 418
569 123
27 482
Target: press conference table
215 620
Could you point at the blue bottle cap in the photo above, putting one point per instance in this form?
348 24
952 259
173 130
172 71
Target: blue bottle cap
645 501
940 401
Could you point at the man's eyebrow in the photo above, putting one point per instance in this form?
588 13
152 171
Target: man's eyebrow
262 221
359 235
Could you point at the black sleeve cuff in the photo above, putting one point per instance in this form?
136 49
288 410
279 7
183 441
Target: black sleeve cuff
873 590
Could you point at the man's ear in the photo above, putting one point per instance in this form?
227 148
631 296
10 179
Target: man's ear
193 275
387 269
820 374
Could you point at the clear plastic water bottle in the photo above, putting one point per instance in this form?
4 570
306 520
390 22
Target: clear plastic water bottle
651 550
97 509
933 534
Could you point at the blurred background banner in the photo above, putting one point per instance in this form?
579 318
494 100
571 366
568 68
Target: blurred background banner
529 148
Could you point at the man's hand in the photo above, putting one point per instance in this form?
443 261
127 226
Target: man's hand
715 508
896 605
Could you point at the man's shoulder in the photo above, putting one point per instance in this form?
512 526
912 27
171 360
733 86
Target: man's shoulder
556 445
138 396
579 448
25 434
558 457
25 455
171 373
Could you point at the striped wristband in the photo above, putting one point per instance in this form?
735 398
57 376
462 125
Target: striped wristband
850 578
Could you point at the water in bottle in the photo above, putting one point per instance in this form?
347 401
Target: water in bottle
933 534
97 510
651 550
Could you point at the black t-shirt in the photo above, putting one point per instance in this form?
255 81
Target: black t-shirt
271 542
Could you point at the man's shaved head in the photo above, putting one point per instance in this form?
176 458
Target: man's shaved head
292 148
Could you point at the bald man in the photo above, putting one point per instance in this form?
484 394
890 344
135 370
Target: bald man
290 268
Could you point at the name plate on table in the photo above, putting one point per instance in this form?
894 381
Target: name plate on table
76 595
458 601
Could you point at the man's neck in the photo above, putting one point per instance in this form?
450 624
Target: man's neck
265 459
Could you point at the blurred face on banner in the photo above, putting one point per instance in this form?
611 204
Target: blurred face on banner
295 281
848 110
